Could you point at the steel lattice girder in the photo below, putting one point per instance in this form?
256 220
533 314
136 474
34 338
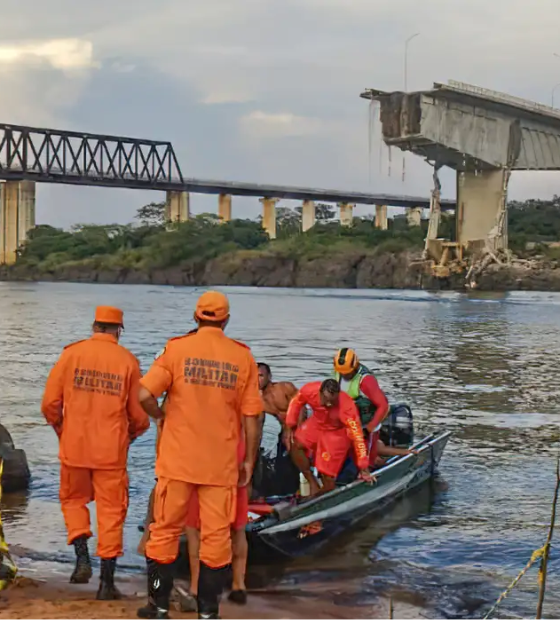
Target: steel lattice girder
89 159
74 158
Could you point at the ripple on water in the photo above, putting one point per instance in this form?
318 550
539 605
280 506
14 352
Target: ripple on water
483 366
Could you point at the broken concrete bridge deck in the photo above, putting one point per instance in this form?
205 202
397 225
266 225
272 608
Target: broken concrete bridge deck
467 127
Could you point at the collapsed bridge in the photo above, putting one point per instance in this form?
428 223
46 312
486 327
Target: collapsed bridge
482 134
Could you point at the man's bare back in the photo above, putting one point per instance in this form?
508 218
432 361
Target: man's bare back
277 397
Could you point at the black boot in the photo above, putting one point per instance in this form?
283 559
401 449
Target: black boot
82 573
239 597
211 583
160 585
107 590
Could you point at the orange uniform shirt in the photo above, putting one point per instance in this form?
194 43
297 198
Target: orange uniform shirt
91 399
211 382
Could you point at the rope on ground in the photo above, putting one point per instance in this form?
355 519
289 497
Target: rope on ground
8 568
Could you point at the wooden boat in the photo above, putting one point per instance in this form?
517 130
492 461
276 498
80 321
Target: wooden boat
288 529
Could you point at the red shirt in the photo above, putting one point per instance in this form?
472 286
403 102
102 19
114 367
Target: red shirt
371 390
344 415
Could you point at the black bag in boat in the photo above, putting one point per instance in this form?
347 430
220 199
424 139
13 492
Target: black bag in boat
275 476
397 430
263 475
287 474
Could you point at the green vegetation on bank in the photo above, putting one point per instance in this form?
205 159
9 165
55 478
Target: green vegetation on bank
147 244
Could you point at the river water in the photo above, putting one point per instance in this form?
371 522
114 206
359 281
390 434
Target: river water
483 366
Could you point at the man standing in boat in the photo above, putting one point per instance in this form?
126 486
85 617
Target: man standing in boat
212 386
329 433
91 401
360 384
276 397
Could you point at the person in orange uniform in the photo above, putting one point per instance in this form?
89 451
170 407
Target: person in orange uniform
91 401
212 393
329 433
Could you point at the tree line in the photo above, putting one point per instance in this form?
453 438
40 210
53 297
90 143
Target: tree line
150 242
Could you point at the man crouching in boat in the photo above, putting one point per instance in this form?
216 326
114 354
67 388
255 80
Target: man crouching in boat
328 434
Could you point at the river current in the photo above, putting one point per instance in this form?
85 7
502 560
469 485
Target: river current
483 366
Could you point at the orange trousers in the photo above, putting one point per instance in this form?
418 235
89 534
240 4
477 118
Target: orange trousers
171 507
109 489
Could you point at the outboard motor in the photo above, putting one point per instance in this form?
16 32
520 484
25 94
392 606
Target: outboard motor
397 430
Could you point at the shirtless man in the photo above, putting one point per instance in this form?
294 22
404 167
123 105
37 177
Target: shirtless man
275 473
276 395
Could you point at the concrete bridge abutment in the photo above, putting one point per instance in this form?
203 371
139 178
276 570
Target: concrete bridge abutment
381 217
269 216
224 208
414 216
482 209
177 207
307 215
346 213
17 217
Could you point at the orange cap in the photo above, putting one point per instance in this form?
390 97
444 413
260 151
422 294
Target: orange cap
108 314
212 306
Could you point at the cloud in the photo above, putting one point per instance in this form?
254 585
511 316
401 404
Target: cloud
43 78
263 90
63 54
266 125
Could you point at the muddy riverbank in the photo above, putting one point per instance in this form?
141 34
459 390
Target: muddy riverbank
53 598
350 270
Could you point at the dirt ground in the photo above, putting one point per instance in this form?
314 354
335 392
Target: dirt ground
30 598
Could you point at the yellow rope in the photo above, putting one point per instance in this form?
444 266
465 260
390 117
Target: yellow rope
534 557
8 568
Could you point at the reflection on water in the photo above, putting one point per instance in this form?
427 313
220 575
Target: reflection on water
483 366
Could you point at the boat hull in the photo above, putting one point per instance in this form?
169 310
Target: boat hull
303 529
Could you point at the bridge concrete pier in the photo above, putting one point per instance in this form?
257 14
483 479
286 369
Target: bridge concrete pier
307 215
269 216
17 217
381 217
346 213
484 135
224 207
481 209
177 207
414 216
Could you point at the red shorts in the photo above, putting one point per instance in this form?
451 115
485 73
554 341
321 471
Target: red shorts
241 516
330 447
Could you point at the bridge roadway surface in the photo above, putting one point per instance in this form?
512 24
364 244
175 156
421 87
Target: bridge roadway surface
77 158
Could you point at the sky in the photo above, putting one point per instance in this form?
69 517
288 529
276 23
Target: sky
261 91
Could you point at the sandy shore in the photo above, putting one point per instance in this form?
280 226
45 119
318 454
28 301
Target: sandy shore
33 598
